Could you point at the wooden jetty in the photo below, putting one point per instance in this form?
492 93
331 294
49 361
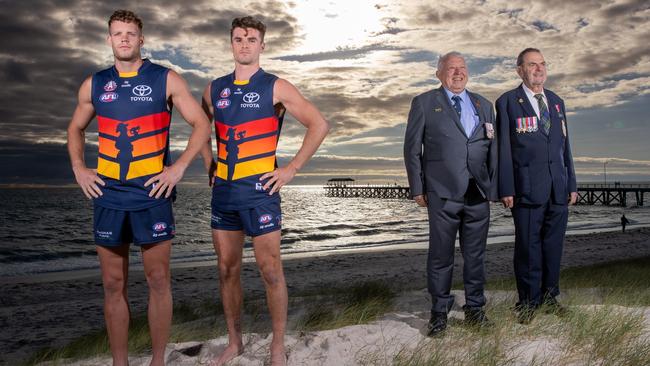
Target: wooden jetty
345 187
588 193
611 194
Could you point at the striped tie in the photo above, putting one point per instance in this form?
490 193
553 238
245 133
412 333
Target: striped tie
457 106
543 113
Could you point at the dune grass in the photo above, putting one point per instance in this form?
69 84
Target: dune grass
604 325
357 304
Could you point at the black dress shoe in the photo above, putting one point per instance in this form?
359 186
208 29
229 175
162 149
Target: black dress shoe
552 306
437 324
476 317
525 313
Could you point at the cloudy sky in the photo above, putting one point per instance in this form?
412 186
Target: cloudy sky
359 62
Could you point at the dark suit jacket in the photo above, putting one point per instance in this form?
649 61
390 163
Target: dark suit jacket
439 157
531 163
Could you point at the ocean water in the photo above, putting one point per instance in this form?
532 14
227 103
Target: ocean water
50 229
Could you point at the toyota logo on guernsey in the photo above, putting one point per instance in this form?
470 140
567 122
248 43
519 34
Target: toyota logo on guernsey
141 93
250 100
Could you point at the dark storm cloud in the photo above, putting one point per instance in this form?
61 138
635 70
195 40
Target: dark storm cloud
428 15
390 30
26 162
542 26
512 13
603 64
14 72
625 9
341 53
281 26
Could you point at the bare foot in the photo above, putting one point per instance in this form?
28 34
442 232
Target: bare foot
278 354
233 350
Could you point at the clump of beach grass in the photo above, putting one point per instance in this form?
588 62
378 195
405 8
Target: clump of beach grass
607 335
358 304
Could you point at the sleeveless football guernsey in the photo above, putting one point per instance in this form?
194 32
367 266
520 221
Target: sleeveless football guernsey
247 128
133 118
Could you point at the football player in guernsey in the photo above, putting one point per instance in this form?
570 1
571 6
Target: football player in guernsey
247 107
133 186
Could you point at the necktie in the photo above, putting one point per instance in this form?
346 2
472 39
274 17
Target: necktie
457 106
543 113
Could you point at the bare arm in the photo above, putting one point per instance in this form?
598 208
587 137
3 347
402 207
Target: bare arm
83 114
179 93
206 150
309 116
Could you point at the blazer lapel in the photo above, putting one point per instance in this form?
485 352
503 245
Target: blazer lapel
556 116
442 100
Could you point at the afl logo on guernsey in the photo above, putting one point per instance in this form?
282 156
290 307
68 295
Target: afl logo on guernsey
141 93
159 226
250 100
110 86
223 103
108 97
225 93
265 219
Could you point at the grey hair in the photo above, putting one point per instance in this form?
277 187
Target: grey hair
442 59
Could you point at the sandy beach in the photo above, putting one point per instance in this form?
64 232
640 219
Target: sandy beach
48 312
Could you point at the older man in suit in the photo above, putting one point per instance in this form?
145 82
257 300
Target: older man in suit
450 156
536 180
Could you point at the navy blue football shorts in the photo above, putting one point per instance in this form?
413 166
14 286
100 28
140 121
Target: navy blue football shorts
148 226
255 221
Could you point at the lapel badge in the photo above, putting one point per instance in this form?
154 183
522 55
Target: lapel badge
437 109
557 108
489 130
520 100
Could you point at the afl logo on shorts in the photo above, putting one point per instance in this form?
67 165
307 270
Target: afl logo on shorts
108 97
159 226
225 93
265 219
223 103
110 86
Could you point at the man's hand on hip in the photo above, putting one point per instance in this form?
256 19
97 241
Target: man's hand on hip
508 201
421 200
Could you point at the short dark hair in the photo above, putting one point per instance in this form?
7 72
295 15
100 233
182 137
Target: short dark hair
520 58
248 22
126 16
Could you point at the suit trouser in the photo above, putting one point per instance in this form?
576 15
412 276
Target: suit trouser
539 238
471 219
